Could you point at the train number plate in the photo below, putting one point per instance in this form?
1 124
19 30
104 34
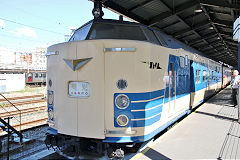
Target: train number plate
79 89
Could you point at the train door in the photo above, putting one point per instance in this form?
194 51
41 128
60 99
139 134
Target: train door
172 85
30 77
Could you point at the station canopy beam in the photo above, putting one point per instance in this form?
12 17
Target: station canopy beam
206 25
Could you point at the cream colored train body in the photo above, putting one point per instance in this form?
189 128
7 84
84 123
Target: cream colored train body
116 91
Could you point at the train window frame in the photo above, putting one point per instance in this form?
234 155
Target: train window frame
181 61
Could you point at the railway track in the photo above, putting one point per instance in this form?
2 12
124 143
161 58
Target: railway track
23 97
30 113
33 123
24 111
26 102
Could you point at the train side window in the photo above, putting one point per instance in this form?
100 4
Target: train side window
40 75
212 75
36 75
44 75
160 38
181 61
81 33
204 74
150 35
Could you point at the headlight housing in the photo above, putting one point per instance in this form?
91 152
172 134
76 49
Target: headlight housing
122 120
122 101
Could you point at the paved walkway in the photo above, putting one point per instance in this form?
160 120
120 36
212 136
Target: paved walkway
211 132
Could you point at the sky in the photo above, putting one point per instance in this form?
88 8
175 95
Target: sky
27 24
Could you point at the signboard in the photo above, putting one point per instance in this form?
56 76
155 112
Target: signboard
79 89
236 30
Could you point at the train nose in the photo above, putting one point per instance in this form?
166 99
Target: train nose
77 76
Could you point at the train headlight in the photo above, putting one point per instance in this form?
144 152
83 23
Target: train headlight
122 120
122 101
122 84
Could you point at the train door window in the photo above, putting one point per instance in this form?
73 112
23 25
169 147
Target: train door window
171 75
204 75
36 75
150 35
181 61
197 77
212 75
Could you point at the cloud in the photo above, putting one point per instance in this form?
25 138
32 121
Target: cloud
25 31
2 23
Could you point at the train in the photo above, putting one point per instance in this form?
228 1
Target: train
37 77
31 77
117 84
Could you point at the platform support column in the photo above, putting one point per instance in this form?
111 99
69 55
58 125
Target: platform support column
239 55
236 36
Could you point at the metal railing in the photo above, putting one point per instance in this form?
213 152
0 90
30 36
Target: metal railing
20 113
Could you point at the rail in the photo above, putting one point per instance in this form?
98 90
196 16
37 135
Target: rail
20 113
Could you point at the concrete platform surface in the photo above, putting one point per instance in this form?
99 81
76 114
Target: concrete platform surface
210 132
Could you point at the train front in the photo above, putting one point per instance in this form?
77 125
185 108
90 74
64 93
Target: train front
85 77
75 84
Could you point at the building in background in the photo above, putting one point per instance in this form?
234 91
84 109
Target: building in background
6 57
32 60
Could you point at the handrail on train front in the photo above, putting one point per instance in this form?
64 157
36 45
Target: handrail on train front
20 113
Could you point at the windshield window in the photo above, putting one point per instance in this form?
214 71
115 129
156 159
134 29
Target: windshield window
116 31
81 33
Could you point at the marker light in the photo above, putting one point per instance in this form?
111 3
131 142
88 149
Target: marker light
122 84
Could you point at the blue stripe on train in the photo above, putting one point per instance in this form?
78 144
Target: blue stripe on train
151 114
145 137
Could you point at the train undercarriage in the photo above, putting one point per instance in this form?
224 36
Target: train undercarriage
74 147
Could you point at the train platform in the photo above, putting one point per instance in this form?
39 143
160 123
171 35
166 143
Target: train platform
210 132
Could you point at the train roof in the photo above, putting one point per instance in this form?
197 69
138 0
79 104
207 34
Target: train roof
116 29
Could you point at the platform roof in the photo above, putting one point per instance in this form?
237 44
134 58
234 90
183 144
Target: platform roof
206 25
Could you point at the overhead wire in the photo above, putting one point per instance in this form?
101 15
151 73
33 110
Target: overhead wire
34 15
30 26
